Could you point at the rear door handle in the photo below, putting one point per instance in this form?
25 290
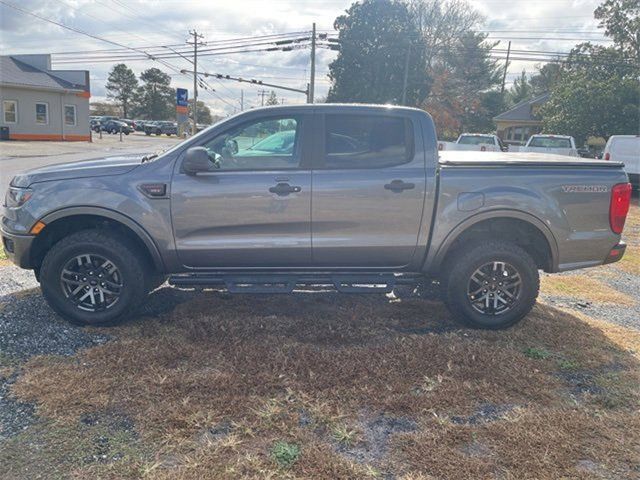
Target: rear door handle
397 186
284 189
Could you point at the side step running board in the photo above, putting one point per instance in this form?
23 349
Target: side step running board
287 283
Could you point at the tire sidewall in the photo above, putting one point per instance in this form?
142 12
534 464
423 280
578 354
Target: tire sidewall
462 272
129 267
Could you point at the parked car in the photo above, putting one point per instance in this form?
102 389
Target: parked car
116 126
481 142
553 144
139 125
129 122
625 149
97 123
386 209
160 128
94 124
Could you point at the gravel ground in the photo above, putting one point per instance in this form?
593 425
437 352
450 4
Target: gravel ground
29 327
611 275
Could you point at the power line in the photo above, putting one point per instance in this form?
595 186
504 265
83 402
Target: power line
96 37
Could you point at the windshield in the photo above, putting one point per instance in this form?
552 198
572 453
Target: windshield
550 142
475 139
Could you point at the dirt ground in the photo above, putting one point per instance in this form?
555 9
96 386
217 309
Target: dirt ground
319 385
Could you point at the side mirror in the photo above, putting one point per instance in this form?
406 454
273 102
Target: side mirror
196 160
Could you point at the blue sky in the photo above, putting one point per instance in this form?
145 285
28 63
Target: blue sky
144 23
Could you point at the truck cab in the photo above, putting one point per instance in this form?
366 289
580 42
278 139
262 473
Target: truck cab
552 144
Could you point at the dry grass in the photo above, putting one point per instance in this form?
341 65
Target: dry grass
3 258
360 386
583 287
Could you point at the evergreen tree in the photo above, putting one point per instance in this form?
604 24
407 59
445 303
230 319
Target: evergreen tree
375 37
273 99
155 97
204 113
521 89
121 86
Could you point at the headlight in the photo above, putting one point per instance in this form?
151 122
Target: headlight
16 197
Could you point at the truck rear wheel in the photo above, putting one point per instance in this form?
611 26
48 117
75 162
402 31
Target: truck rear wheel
94 277
492 286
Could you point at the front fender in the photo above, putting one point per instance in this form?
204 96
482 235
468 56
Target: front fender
141 233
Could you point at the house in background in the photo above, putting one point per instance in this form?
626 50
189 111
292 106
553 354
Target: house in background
38 103
516 125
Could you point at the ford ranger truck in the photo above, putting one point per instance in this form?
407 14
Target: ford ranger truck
353 198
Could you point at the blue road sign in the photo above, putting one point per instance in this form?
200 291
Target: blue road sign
181 97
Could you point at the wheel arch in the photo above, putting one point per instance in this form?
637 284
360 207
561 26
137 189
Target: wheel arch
69 220
511 225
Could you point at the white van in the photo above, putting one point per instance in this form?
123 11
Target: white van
626 149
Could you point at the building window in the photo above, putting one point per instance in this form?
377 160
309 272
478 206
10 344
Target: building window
42 113
70 115
10 109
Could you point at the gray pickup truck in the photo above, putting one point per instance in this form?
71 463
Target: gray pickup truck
354 198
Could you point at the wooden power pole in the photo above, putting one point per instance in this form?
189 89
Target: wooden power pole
506 66
196 41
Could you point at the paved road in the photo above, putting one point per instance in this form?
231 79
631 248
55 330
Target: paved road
16 157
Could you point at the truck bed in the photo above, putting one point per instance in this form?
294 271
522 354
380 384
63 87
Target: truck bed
519 159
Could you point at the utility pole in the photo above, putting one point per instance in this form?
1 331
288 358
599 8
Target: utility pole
241 100
261 94
196 41
312 81
506 66
406 75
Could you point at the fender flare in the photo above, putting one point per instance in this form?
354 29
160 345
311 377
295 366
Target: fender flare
438 258
140 232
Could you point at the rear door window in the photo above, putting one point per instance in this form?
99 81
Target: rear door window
475 140
367 141
549 142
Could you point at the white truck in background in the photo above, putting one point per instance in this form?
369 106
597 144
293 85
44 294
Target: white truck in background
553 144
480 142
625 149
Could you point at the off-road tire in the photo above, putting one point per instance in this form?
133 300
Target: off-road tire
461 268
119 250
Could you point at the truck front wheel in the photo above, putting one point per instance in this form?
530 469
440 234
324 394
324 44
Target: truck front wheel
493 285
94 277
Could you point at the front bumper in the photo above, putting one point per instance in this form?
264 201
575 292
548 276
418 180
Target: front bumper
17 248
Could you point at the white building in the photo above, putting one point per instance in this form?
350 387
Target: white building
38 103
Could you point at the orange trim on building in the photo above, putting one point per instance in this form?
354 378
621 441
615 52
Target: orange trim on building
84 94
48 137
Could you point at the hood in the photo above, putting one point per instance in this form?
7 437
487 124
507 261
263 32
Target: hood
87 168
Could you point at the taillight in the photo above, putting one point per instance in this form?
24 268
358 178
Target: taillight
620 200
607 156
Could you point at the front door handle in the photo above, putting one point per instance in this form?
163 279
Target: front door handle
397 186
284 189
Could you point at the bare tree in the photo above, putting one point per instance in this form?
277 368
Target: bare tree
441 24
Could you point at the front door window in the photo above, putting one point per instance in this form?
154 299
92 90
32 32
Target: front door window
268 144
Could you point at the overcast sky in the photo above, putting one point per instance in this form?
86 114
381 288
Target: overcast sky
536 25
